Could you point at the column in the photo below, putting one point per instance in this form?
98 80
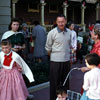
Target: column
82 16
42 4
14 8
97 11
65 6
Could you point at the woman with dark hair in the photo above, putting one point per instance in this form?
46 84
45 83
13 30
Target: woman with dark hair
12 24
16 37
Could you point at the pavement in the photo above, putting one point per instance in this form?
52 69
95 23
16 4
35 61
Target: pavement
76 79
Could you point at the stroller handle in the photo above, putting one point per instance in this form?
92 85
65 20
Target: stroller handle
76 68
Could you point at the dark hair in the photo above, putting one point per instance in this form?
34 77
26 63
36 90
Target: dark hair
6 42
70 23
61 90
13 20
98 21
61 15
36 23
93 59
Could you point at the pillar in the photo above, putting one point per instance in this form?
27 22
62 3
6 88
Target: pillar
42 4
82 16
14 8
97 11
65 6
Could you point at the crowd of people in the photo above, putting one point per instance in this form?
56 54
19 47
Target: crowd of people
61 46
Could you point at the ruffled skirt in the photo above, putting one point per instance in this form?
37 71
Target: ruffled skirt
12 86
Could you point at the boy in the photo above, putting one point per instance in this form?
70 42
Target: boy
91 83
61 93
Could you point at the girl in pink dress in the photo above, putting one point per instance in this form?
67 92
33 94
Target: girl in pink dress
12 86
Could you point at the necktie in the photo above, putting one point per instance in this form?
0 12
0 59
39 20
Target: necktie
7 59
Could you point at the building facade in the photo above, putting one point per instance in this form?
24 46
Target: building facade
81 12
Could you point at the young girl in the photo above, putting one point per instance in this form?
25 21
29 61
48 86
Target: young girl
91 83
12 86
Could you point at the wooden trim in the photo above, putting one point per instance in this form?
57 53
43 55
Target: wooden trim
33 9
53 11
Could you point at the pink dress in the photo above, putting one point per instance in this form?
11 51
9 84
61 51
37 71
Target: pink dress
12 86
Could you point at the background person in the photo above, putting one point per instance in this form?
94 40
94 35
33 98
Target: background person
58 47
61 93
95 35
39 36
16 37
91 83
74 42
26 34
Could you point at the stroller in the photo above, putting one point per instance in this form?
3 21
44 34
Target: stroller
71 94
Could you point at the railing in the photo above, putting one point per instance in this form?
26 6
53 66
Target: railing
30 27
47 27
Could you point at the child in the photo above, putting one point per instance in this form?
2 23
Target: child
61 93
12 86
91 83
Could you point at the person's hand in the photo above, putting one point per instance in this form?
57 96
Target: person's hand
15 49
73 50
49 53
84 69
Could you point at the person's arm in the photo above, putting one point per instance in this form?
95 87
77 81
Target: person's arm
49 43
21 47
15 49
25 68
74 40
86 82
49 52
84 69
33 34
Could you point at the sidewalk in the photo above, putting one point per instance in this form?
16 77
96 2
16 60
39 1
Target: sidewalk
76 78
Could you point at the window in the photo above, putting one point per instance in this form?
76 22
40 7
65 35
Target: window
33 7
53 9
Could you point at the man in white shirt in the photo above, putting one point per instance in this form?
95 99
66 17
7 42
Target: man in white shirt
74 42
58 47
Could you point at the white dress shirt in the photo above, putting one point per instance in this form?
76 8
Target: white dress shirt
92 83
74 39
